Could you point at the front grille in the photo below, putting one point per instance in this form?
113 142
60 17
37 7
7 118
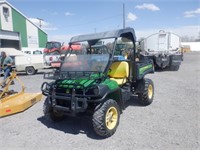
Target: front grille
69 91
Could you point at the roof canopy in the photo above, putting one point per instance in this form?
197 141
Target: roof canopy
127 32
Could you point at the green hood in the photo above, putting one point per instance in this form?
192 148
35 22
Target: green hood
83 83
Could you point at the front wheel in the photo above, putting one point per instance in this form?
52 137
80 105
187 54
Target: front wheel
106 118
50 114
147 92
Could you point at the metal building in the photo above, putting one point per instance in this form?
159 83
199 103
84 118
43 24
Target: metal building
17 31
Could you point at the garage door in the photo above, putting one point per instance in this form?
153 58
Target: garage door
9 35
9 39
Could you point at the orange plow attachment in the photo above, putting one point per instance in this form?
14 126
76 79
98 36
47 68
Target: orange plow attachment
12 102
18 103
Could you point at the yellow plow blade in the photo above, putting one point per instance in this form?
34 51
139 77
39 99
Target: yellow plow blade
18 102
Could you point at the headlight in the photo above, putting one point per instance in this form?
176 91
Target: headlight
93 91
99 90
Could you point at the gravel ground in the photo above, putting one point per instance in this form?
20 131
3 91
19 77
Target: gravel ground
172 121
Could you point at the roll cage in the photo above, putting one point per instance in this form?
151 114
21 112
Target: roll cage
127 33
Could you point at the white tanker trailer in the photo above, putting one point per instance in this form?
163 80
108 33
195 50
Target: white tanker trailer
164 48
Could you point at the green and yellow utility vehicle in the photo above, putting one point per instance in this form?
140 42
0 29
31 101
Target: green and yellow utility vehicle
98 82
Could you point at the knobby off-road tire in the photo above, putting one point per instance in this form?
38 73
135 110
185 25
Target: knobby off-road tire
106 118
147 93
50 114
174 68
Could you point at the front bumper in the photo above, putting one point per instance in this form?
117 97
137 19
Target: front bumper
68 104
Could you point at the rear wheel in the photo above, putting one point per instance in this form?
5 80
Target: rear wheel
30 70
147 92
106 118
50 114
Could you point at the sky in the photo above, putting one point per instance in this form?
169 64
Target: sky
62 19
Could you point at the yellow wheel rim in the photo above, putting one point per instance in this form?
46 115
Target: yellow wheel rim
111 118
150 91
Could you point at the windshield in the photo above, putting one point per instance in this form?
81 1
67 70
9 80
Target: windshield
85 62
93 56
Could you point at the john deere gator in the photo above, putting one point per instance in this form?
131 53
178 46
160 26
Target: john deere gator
98 81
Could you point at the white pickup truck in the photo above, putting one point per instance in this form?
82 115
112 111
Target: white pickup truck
25 62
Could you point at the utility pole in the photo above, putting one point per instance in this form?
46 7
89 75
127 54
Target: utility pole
40 22
124 16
